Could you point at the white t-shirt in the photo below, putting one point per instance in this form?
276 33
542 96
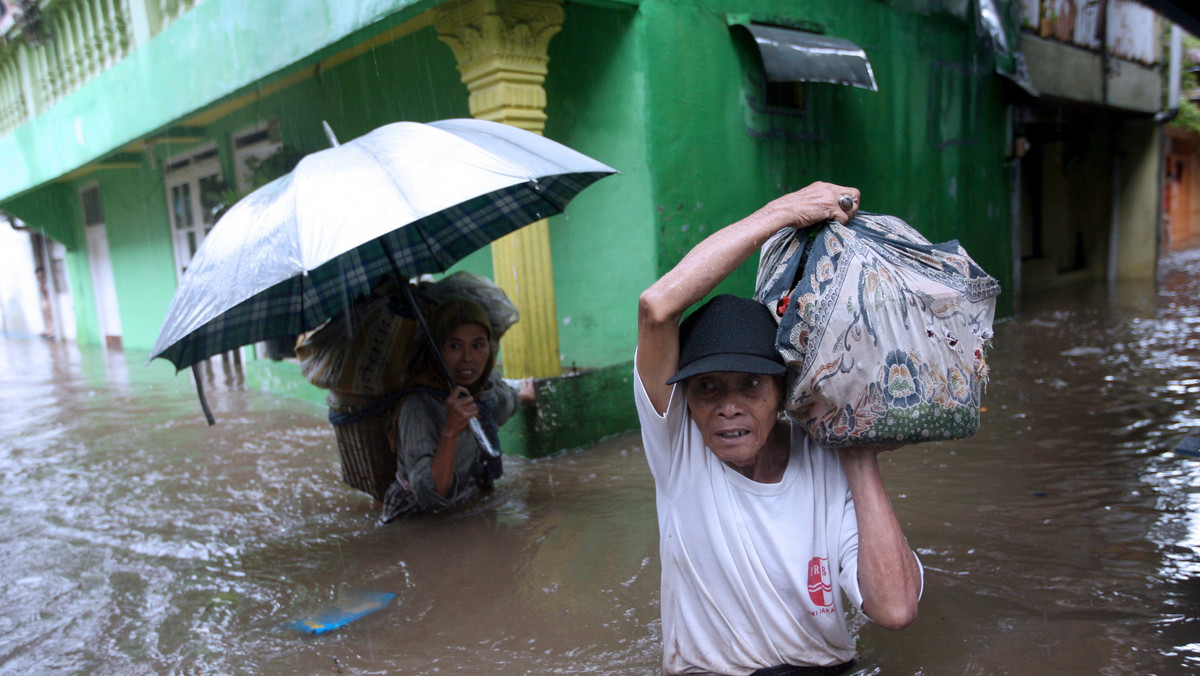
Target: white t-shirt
753 574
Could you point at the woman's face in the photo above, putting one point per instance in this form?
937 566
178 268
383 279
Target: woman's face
735 413
466 352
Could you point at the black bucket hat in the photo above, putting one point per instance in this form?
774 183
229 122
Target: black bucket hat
728 333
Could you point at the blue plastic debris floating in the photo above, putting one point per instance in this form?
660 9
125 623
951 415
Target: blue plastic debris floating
344 613
1189 446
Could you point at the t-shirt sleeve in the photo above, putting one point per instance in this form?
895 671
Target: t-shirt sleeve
920 567
419 426
663 436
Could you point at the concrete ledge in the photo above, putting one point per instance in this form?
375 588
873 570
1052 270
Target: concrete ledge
1064 71
574 411
1132 86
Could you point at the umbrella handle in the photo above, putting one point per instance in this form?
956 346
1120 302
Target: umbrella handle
481 437
200 391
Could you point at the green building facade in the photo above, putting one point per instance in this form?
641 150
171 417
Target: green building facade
672 93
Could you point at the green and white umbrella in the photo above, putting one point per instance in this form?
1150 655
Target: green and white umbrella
405 199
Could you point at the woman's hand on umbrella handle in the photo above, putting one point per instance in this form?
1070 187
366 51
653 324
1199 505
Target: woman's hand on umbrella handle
460 409
818 202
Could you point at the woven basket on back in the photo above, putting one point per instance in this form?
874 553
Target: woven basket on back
368 462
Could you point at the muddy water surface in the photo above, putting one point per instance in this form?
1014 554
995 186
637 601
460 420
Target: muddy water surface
1063 538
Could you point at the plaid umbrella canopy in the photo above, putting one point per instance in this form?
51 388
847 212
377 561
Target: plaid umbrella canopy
406 198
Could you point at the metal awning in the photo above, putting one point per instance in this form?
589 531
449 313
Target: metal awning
1001 29
799 56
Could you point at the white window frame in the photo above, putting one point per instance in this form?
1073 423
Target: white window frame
183 178
245 147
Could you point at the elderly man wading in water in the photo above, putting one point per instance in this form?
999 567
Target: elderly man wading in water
761 530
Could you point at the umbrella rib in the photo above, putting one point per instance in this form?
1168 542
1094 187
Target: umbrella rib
425 239
412 299
400 192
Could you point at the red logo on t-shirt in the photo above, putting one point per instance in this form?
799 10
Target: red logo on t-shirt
820 586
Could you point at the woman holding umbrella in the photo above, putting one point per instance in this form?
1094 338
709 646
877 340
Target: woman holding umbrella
440 463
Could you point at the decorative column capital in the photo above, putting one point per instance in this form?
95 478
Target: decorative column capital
486 28
500 46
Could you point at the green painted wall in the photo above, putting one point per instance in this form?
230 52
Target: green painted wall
218 49
928 146
604 253
413 78
56 205
1136 253
134 207
139 244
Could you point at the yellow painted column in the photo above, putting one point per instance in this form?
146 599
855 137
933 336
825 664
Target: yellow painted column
500 46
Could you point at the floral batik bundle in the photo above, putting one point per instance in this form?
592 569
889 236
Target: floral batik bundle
883 332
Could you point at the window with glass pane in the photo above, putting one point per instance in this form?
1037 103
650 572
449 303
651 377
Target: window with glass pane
194 189
182 201
211 199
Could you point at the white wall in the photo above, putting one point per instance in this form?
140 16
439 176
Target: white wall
20 305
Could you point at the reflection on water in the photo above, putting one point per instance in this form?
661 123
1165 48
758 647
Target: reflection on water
1063 538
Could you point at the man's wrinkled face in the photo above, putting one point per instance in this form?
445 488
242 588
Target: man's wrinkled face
735 412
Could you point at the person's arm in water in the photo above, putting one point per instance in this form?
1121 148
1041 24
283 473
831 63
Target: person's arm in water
888 573
707 264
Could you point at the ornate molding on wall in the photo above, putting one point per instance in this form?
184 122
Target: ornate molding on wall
500 46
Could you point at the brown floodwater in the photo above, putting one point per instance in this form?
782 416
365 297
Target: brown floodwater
1063 538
